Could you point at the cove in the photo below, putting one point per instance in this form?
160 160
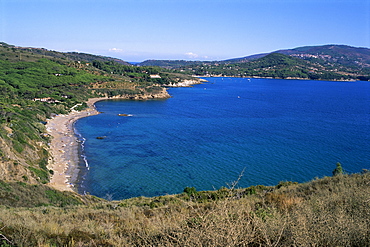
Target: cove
206 135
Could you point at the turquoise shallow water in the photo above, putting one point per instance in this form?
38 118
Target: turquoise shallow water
205 136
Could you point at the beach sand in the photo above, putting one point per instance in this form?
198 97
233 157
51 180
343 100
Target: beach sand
64 146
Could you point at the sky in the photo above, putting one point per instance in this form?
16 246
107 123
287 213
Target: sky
138 30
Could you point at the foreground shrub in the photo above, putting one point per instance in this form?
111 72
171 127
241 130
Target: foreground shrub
332 211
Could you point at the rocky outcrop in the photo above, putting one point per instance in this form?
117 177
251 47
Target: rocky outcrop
187 83
163 94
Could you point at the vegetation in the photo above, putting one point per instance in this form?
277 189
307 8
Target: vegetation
317 213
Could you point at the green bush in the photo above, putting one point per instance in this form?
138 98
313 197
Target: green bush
190 191
42 175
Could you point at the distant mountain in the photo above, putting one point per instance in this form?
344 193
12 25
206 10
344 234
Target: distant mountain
336 54
327 55
296 66
340 52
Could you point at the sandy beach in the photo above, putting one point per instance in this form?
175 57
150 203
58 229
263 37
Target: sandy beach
64 146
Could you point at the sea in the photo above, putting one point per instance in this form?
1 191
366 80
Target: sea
225 132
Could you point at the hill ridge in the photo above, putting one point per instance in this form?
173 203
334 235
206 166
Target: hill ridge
323 49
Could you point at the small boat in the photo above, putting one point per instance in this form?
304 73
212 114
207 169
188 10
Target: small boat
101 137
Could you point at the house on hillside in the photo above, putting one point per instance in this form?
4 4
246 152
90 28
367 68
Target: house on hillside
46 100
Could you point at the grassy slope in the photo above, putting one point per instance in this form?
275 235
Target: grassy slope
332 211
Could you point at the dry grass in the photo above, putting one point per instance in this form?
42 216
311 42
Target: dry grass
325 212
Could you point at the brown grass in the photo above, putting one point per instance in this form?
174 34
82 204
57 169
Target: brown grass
324 212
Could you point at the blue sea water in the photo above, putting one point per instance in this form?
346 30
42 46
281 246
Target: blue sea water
206 135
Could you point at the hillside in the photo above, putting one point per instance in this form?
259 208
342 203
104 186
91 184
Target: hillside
337 54
280 66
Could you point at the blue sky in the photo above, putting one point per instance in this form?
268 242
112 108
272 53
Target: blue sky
137 30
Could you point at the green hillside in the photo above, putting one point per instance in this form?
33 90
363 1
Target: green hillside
339 54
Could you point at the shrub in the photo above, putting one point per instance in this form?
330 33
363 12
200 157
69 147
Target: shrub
190 191
338 170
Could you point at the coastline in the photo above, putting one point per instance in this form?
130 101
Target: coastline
64 146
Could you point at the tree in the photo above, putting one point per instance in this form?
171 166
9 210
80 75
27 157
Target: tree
338 170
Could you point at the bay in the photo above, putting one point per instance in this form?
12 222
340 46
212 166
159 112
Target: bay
206 135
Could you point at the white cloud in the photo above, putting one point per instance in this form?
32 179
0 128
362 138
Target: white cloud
191 55
116 50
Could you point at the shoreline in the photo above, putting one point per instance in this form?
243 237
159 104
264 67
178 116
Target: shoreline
64 147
